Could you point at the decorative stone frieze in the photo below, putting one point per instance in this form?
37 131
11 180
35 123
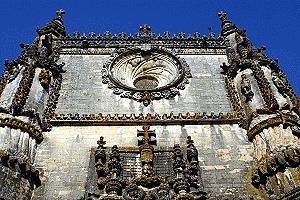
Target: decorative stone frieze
82 41
193 50
115 119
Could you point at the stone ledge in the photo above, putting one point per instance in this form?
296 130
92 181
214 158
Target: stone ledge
123 119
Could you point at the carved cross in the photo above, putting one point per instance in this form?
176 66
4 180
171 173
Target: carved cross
60 13
146 134
222 15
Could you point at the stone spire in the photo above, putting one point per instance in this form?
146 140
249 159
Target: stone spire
55 27
227 26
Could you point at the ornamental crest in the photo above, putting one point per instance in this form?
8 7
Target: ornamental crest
146 74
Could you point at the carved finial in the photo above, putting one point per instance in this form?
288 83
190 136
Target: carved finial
101 142
192 152
189 140
145 28
60 13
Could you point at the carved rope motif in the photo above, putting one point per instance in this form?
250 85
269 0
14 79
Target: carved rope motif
265 88
23 90
235 102
23 126
286 119
52 101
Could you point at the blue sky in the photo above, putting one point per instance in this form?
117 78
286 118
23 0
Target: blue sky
274 24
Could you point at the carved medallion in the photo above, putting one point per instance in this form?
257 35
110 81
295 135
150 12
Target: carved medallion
146 74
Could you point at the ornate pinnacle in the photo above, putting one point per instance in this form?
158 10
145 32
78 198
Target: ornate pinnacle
227 26
146 150
192 152
55 27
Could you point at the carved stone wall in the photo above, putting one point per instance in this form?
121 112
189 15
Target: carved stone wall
224 156
83 91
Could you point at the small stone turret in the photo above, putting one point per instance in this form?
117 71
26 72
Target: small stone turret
268 109
27 91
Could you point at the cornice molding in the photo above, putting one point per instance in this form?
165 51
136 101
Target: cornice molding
109 50
100 119
171 42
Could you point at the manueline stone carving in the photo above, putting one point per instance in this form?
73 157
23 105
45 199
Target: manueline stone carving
288 157
21 166
45 78
146 74
186 184
14 123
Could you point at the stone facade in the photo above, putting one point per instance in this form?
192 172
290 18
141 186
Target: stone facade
147 117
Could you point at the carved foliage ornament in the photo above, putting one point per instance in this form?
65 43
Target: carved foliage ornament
146 74
287 157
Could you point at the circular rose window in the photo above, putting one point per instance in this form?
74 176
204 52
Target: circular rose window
146 75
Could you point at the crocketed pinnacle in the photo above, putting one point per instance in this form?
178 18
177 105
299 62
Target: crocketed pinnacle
55 27
227 26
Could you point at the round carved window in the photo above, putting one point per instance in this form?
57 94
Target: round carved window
146 75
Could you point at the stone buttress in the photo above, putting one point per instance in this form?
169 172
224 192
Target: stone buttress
269 110
28 91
